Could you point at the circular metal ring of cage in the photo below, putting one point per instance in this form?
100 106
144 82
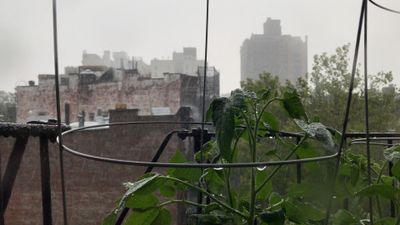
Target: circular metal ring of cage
373 141
384 7
180 165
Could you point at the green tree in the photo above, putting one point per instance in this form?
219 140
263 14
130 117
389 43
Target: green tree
325 93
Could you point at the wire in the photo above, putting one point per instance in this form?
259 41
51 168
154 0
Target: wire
384 8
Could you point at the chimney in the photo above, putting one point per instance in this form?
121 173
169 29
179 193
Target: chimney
81 119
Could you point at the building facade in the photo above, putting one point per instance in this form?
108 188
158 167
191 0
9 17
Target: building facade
282 55
95 90
185 62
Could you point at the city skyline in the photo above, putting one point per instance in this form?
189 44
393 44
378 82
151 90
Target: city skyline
26 41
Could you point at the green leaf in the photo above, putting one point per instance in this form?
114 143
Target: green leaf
270 121
163 218
146 217
216 217
387 180
267 189
140 184
319 132
294 213
311 212
188 174
306 151
141 201
386 221
110 219
393 153
209 151
222 113
351 171
211 207
215 180
396 170
274 198
344 217
273 218
381 190
167 190
292 104
263 94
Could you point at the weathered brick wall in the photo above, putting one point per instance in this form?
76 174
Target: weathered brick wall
135 92
92 187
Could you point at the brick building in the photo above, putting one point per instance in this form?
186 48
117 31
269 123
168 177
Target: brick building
98 89
92 187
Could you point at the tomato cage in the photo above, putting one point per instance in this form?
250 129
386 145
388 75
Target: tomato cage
195 138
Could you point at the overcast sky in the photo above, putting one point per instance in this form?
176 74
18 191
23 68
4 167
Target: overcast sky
155 28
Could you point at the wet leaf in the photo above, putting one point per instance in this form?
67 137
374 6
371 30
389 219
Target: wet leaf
146 217
163 218
270 121
292 104
294 213
222 113
393 153
344 217
319 132
381 190
167 190
141 201
188 174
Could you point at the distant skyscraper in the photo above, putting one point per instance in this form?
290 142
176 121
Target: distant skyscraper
281 55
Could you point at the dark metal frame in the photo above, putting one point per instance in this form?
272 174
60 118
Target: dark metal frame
21 133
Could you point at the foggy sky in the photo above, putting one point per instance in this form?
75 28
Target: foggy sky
155 28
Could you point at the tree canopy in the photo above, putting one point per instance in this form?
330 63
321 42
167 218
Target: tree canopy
325 89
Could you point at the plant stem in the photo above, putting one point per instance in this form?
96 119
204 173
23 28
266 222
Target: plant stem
253 151
252 197
228 186
181 201
381 172
263 109
278 167
224 205
228 170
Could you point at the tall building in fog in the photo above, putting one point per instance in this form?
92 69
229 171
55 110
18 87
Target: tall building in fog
281 55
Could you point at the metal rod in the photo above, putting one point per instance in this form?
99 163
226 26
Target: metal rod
203 106
392 205
384 8
57 85
13 165
298 165
45 180
1 193
370 206
347 112
158 154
